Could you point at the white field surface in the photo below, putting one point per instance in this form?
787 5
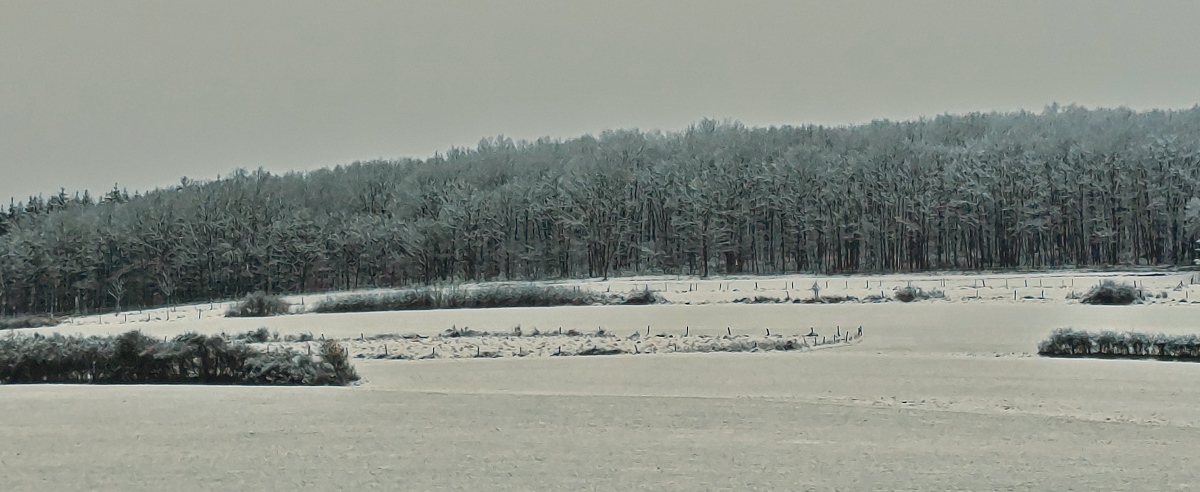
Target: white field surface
939 394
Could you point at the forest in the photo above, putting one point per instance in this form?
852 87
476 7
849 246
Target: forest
1066 187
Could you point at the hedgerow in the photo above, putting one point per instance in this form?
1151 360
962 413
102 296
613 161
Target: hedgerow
482 297
1069 342
10 323
1109 292
134 358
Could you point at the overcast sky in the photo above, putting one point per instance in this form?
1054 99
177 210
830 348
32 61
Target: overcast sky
143 93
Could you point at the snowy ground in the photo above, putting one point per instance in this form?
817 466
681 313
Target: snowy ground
940 395
1172 288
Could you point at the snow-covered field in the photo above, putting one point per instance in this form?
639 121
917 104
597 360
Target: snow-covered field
937 394
1008 289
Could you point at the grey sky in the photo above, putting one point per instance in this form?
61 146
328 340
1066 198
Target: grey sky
142 93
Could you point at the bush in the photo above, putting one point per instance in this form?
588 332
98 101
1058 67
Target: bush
261 335
1068 342
338 362
303 337
600 351
1112 293
758 300
641 298
826 300
455 332
910 294
28 322
135 358
258 304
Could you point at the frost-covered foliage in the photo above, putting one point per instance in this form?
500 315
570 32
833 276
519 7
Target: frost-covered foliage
258 304
481 297
760 300
1068 186
826 299
133 357
640 298
1068 342
261 335
910 293
1109 292
336 361
10 323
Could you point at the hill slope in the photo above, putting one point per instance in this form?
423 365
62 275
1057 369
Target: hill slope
1069 186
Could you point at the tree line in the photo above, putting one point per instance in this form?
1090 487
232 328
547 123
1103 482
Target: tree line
1065 187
